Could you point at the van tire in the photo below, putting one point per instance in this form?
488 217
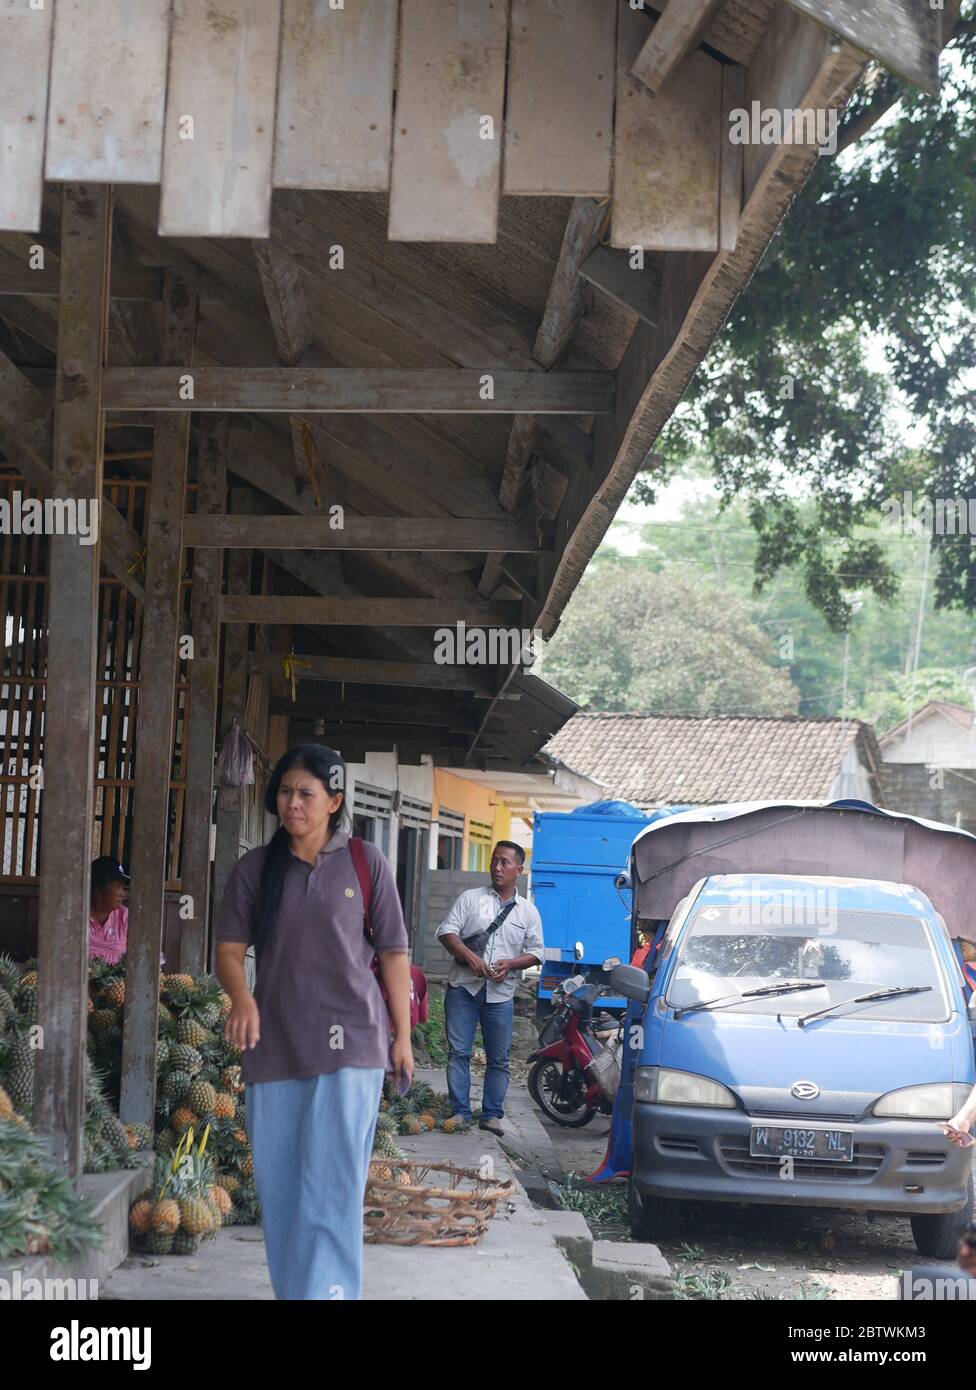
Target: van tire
651 1218
938 1235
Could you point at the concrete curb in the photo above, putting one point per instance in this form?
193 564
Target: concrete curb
610 1271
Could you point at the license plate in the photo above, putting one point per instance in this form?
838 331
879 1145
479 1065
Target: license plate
773 1141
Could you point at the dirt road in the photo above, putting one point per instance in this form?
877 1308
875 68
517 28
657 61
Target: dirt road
749 1252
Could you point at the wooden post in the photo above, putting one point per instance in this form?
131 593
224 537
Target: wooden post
201 722
227 848
154 728
69 723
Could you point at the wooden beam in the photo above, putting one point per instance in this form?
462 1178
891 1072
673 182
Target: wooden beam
25 41
679 30
360 671
201 708
359 533
284 294
360 390
26 427
134 282
566 303
227 839
634 290
154 739
367 612
70 709
521 442
441 712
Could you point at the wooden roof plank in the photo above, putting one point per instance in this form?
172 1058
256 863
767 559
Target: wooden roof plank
335 95
108 90
367 612
447 136
559 107
566 301
222 76
633 289
679 30
662 202
25 42
368 671
903 35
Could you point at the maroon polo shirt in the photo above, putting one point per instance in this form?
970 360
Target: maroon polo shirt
320 1003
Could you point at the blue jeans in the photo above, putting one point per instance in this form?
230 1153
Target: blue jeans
311 1140
462 1014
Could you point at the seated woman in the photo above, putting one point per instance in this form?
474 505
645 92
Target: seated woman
108 922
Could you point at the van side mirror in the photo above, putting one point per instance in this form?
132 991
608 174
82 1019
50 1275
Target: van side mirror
631 982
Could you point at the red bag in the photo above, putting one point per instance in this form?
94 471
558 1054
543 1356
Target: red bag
419 1011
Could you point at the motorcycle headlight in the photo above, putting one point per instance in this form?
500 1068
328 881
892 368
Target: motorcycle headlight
939 1101
664 1086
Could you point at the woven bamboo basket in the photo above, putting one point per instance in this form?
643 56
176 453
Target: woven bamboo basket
429 1203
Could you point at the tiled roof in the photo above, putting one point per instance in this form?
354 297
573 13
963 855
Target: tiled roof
656 760
957 714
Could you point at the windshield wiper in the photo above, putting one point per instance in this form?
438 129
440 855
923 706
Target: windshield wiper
868 998
749 994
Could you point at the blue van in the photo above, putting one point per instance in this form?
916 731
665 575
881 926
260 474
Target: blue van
797 1040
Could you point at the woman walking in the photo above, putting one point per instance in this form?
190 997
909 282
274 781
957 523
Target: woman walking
314 1034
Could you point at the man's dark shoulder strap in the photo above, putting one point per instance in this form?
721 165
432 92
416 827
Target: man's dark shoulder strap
503 913
360 864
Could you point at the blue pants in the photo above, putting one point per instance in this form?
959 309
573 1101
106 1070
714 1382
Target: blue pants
311 1141
462 1014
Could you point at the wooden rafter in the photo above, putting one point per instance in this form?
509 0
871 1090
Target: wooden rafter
679 30
359 533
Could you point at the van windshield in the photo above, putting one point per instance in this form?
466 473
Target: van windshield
852 953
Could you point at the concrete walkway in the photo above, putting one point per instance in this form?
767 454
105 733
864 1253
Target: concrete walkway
518 1259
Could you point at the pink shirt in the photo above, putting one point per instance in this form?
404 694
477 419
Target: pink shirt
110 938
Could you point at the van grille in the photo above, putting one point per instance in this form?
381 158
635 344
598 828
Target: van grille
867 1161
920 1158
679 1143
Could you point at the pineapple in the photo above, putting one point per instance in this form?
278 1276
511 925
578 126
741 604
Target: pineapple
177 982
6 1106
29 981
113 1133
140 1217
385 1145
185 1244
159 1244
165 1217
196 1217
455 1124
427 1121
241 1136
247 1166
27 1002
89 1005
103 1021
380 1172
410 1124
201 1097
176 1083
385 1124
221 1199
228 1182
224 1004
182 1118
210 1015
8 1009
186 1058
20 1073
188 1030
165 1015
114 994
216 1216
224 1106
162 1053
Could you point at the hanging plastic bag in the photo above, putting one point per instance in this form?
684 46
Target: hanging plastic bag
235 761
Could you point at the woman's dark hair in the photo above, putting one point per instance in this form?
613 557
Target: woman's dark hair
325 764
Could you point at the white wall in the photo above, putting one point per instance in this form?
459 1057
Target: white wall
934 740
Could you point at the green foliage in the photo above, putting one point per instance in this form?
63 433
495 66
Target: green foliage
865 299
40 1212
653 643
431 1036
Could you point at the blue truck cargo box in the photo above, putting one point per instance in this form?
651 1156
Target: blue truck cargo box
576 856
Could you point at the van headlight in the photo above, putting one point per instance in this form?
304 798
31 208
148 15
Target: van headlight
939 1101
663 1086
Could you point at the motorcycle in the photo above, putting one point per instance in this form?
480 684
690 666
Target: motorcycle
576 1070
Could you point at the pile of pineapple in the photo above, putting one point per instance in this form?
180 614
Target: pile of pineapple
40 1211
419 1111
185 1203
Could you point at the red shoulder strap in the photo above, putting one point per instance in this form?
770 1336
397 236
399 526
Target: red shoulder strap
365 880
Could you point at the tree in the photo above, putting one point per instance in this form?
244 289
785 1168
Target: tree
879 249
645 642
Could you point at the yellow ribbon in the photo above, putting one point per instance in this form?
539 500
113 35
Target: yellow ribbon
289 665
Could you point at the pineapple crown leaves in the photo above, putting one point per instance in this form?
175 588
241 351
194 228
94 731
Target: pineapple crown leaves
9 973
